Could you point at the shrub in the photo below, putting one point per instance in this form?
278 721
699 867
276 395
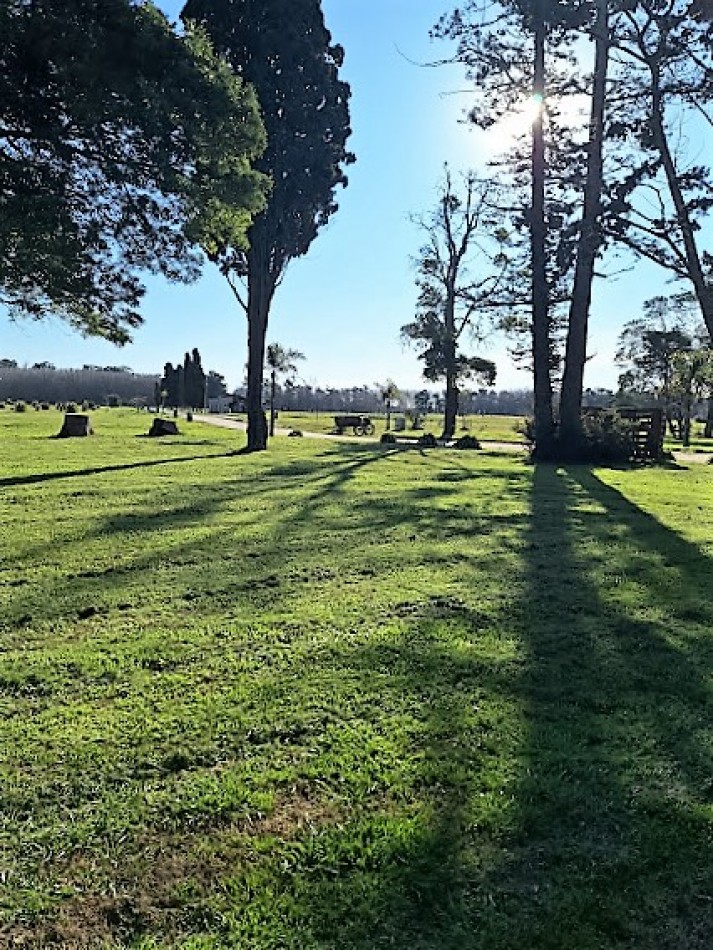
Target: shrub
427 440
70 407
388 438
526 428
467 442
607 439
20 407
294 434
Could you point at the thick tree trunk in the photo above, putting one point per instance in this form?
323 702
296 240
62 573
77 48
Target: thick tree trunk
588 245
542 381
708 431
261 286
257 423
451 409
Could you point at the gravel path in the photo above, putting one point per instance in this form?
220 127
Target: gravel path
516 448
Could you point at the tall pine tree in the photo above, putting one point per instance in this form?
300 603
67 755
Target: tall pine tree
283 48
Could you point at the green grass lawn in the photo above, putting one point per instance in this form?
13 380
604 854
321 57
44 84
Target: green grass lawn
340 696
698 442
492 428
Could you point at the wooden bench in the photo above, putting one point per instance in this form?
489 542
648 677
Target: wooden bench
361 425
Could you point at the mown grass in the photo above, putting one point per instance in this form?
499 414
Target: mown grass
342 696
698 443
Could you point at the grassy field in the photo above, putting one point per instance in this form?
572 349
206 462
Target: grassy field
345 697
493 428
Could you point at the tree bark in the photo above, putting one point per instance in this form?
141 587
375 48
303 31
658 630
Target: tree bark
701 288
542 381
273 384
451 408
708 431
261 287
449 348
588 245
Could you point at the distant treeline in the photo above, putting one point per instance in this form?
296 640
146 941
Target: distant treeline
370 399
90 384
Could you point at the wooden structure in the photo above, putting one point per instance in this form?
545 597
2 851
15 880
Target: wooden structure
649 431
361 425
75 424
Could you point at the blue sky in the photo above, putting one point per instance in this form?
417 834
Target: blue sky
344 303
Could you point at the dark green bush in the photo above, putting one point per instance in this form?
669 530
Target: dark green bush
606 439
70 407
20 407
388 438
427 440
467 442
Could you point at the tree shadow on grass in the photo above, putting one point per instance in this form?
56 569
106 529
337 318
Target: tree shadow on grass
556 798
604 838
100 469
614 841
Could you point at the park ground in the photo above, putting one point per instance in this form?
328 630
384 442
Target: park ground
347 696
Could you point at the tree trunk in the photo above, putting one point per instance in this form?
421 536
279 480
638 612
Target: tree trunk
451 409
708 431
449 351
261 287
257 423
686 422
273 384
542 382
701 288
588 245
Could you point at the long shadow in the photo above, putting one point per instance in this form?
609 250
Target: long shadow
600 835
98 470
605 838
614 843
260 567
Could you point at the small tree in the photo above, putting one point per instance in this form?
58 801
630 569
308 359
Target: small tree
648 344
389 393
692 380
282 362
451 300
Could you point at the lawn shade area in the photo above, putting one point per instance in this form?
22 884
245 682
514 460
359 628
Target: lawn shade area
349 696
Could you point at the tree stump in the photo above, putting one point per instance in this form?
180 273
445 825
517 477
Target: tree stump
75 424
163 427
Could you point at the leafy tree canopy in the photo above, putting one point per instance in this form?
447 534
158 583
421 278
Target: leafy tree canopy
114 133
283 48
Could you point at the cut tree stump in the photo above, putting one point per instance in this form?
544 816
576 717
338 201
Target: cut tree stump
75 424
163 427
